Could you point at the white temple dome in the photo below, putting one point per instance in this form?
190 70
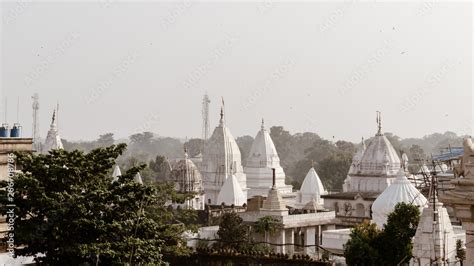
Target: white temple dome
187 176
312 188
263 152
380 158
231 193
401 190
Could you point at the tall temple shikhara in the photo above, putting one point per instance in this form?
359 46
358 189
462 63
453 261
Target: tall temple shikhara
53 140
221 160
262 159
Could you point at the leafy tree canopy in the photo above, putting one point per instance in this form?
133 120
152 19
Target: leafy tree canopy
69 210
390 246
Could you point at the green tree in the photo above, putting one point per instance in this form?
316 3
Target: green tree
460 251
360 249
395 245
390 246
232 232
105 140
69 209
194 146
267 225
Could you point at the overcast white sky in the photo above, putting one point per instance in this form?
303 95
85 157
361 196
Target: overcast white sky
124 67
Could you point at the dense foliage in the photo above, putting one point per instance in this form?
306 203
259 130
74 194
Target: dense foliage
298 152
234 234
390 246
69 211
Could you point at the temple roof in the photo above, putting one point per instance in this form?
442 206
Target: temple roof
231 193
274 201
357 157
263 153
138 178
402 190
379 159
53 140
313 206
222 150
187 175
312 184
116 173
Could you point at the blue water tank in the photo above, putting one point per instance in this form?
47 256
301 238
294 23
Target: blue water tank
4 131
16 131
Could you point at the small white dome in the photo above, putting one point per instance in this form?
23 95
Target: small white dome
402 190
312 187
263 152
231 193
138 178
116 173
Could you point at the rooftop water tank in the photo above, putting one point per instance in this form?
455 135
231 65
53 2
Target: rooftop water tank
4 131
16 131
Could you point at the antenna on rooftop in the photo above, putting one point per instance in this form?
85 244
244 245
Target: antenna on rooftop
36 130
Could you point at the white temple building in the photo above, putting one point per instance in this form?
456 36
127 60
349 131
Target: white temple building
221 159
376 169
373 169
231 193
53 140
311 189
402 190
297 228
263 157
188 179
435 239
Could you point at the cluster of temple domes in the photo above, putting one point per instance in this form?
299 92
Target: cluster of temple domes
227 182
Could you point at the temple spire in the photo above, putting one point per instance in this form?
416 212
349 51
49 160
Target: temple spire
53 120
222 120
263 124
379 122
185 152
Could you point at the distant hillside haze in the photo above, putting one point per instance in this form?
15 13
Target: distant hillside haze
297 152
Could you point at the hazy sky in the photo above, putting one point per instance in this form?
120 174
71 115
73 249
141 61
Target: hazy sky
321 67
